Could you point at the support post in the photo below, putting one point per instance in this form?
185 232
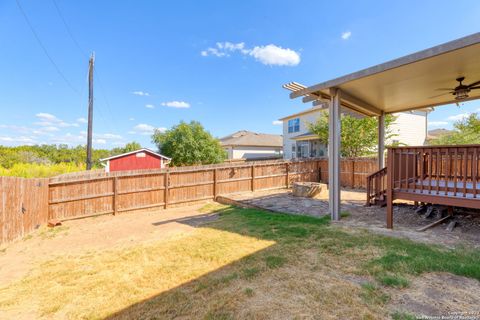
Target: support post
334 128
90 112
390 174
381 141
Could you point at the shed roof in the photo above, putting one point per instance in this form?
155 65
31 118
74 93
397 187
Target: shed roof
252 139
136 151
408 83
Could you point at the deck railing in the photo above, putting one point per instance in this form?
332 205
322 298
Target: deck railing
377 187
436 170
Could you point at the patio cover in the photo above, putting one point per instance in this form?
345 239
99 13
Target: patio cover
407 83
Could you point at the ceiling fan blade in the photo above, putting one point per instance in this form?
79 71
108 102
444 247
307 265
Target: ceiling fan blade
444 89
473 84
442 94
471 88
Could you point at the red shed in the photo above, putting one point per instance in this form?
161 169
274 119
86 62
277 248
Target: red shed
136 160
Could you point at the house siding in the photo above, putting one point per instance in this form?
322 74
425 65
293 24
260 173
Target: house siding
251 152
411 128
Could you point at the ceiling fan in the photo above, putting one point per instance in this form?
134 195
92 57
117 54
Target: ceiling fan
461 91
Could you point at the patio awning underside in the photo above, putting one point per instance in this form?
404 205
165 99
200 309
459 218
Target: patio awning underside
407 83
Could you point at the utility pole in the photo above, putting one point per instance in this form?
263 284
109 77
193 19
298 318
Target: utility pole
90 111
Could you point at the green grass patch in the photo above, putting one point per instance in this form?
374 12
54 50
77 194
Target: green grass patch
372 294
249 292
395 281
250 273
274 261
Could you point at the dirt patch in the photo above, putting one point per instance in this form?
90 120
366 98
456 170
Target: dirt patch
104 232
438 294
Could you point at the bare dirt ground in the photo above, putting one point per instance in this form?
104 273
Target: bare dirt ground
406 221
92 234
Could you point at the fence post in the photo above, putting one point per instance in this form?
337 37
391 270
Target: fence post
353 173
318 171
166 182
215 190
115 195
253 178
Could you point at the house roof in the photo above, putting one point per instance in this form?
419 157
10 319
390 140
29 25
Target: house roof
253 139
407 83
301 113
136 151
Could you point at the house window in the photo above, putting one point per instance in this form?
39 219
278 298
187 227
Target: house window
141 155
303 149
293 151
293 125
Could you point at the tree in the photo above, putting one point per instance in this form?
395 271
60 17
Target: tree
189 144
359 137
466 131
129 147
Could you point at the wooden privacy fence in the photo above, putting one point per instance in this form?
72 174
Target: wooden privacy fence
97 193
23 205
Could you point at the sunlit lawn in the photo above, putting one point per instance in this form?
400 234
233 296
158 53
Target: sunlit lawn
247 264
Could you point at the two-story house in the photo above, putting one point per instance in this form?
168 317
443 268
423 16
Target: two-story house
298 142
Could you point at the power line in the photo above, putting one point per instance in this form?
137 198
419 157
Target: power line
68 29
45 49
83 53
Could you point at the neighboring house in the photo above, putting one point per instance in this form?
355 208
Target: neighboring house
136 160
251 145
299 142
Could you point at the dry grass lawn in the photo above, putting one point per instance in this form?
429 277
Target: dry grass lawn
247 264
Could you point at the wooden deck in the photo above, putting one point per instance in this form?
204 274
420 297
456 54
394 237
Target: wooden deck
446 175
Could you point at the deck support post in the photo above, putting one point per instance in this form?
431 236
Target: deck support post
381 141
334 129
390 174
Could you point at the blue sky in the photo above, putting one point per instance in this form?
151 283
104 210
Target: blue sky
219 62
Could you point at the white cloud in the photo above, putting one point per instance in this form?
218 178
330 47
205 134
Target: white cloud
82 120
99 141
437 123
273 55
459 116
50 129
346 35
277 122
268 55
143 129
46 116
17 140
131 119
149 106
176 104
48 120
141 93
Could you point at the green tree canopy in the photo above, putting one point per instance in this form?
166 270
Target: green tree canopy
466 131
129 147
359 137
189 144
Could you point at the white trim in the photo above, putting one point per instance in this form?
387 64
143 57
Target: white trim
136 151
